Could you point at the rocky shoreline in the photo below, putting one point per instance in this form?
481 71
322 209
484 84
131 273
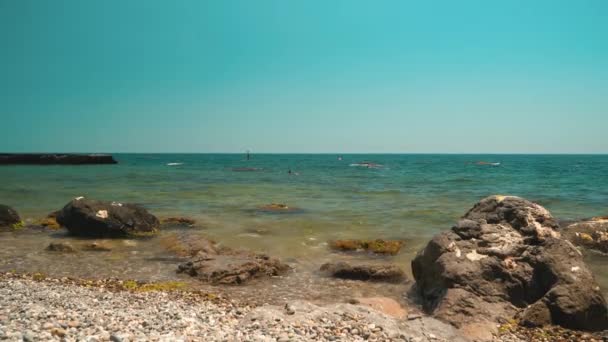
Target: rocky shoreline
506 271
36 308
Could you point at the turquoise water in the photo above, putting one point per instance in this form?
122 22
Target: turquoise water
410 194
409 197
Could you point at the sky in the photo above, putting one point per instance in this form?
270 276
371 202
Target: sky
314 76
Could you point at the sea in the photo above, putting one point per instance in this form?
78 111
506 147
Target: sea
409 197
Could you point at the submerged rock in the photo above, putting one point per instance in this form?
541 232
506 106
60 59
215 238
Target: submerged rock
215 264
92 218
591 234
8 216
377 246
189 245
505 255
49 222
96 247
178 221
232 268
278 208
386 273
60 247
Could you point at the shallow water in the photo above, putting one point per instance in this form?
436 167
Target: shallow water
410 197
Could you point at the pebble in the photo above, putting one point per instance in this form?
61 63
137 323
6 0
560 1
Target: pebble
54 310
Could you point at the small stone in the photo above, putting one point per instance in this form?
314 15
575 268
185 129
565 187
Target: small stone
59 332
115 338
29 336
289 309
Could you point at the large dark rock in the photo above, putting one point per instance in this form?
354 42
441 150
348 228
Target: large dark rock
214 264
48 159
92 218
384 273
591 234
8 216
503 256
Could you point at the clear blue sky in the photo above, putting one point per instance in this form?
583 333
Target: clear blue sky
304 76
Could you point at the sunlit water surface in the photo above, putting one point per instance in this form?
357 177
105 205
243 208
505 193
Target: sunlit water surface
408 197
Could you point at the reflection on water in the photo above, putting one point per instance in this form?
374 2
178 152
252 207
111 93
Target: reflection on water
411 198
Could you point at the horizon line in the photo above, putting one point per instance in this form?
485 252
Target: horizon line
333 153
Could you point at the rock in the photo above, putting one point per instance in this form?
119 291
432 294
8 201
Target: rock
60 247
179 221
236 267
46 159
96 247
591 234
92 218
213 264
278 208
58 332
479 331
386 273
385 305
377 246
536 315
189 245
8 216
49 222
502 256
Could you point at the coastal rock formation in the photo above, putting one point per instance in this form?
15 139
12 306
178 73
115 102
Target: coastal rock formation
92 218
8 216
215 264
378 246
591 234
502 257
344 270
47 159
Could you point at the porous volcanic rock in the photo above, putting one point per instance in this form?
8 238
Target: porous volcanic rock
503 256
